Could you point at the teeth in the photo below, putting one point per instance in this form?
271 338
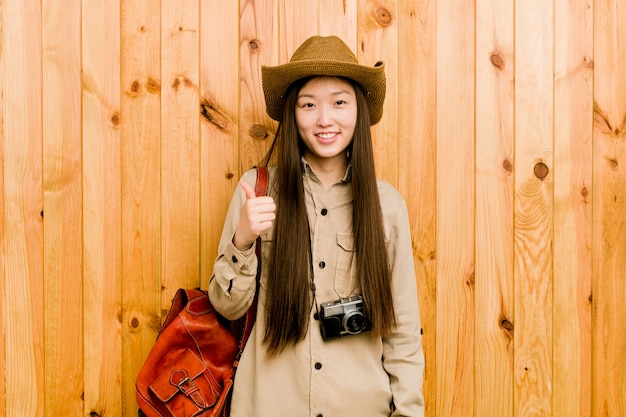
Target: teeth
326 135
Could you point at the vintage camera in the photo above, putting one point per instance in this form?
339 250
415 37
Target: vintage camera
343 317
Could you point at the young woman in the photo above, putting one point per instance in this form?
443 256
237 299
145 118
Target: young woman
338 328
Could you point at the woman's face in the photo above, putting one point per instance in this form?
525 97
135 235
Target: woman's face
326 113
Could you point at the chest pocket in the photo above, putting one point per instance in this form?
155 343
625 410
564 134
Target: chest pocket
345 282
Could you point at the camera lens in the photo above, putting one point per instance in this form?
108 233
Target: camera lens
354 322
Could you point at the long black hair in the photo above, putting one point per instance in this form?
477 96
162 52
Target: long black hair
289 297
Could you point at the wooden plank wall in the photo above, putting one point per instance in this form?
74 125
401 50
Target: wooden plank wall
125 126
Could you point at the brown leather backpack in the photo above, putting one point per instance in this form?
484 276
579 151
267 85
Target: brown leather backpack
191 368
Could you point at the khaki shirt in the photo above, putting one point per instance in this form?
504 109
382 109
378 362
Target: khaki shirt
354 375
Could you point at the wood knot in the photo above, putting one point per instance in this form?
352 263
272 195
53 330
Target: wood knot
254 46
115 119
541 170
153 86
213 114
258 132
135 89
497 60
471 280
506 325
507 165
383 16
612 163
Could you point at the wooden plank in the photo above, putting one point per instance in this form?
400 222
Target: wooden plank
455 208
258 33
494 208
141 194
339 19
219 126
534 206
62 189
297 22
377 38
23 206
180 162
417 72
573 130
609 211
102 264
3 363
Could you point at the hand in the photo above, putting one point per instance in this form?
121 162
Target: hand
257 215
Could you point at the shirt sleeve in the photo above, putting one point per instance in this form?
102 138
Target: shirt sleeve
232 283
403 357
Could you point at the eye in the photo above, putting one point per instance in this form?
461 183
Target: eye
340 102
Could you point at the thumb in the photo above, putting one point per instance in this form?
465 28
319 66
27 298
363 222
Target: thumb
249 190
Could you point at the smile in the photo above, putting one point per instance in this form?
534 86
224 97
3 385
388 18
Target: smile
326 135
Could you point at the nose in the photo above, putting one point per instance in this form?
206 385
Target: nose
324 116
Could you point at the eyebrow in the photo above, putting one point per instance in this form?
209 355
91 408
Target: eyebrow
334 93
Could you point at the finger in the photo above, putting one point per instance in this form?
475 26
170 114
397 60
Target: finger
263 205
248 189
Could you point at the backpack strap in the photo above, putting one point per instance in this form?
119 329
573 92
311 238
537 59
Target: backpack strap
260 189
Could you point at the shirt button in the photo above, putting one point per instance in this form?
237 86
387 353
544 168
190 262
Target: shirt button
322 265
234 259
324 212
318 366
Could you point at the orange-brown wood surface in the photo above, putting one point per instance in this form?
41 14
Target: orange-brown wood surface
125 126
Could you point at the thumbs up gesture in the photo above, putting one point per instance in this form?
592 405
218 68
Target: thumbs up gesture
257 215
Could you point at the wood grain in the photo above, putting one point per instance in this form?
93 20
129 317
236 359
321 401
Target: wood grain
62 194
259 45
572 264
455 209
180 180
534 208
297 21
378 29
609 212
495 321
23 208
219 123
339 18
102 255
3 364
125 126
417 72
141 188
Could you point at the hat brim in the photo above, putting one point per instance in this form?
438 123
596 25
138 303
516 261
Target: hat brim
277 79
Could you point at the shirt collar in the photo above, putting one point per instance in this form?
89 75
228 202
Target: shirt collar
307 169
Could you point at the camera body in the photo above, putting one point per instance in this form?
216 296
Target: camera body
343 317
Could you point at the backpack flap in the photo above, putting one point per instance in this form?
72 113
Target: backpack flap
184 385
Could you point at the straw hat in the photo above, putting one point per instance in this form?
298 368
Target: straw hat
323 56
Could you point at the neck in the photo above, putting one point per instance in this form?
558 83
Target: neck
328 170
